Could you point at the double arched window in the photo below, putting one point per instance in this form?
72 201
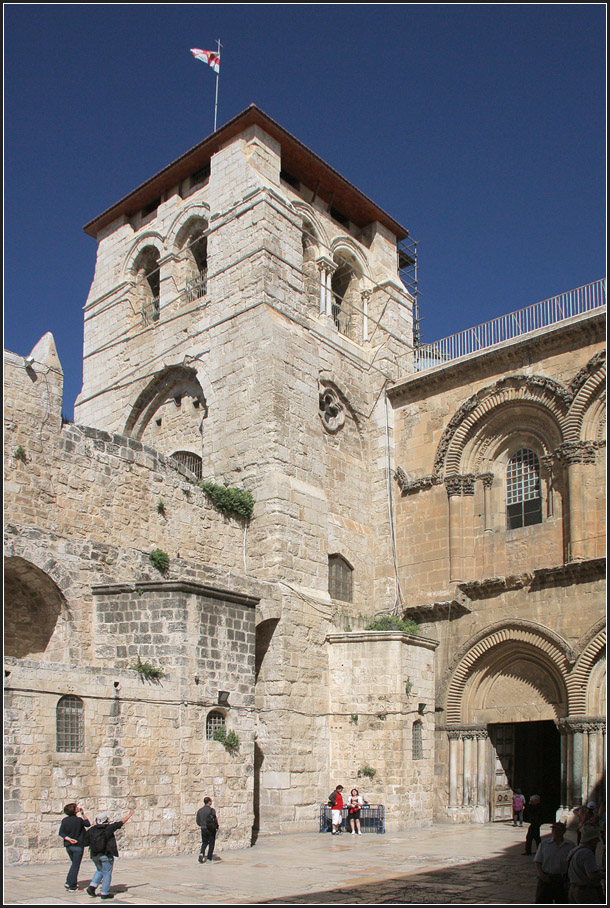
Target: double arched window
523 492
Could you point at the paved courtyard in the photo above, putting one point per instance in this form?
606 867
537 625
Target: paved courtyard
439 865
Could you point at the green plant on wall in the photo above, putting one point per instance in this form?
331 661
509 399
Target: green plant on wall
161 508
368 772
228 739
354 718
147 670
393 623
160 560
19 454
228 501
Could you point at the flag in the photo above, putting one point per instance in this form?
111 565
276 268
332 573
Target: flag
207 56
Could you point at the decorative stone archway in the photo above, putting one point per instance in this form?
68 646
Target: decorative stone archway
512 672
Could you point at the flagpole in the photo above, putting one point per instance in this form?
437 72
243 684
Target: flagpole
217 81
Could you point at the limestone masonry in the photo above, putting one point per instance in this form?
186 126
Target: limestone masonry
247 326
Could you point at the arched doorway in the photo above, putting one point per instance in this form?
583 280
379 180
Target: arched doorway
506 698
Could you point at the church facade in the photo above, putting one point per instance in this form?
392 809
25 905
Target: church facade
264 461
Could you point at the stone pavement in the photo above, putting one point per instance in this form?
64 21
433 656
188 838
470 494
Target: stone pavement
443 864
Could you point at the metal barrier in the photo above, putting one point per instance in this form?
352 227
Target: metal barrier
372 818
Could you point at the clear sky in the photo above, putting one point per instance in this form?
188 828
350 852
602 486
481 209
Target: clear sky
480 128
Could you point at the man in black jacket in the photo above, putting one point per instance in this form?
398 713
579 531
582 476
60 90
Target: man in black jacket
208 823
103 850
72 831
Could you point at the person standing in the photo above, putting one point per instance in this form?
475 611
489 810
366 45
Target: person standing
534 815
551 865
584 878
72 831
103 850
586 816
353 811
335 802
518 806
208 823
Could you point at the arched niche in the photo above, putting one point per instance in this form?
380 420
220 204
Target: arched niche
511 672
168 415
36 624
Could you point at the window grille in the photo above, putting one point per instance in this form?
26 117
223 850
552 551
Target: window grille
214 720
196 288
70 725
523 497
340 585
417 744
191 461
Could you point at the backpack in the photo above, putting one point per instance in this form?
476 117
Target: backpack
96 840
518 803
332 798
211 823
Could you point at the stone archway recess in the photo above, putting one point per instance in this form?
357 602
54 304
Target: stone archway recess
540 646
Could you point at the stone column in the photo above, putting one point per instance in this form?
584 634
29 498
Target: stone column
468 795
455 747
487 479
326 269
482 738
576 455
457 487
365 296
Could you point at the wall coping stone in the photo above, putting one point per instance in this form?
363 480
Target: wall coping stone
377 636
176 586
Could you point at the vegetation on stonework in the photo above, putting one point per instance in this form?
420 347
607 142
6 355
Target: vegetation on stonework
368 772
229 501
148 670
160 560
161 508
19 454
393 623
227 738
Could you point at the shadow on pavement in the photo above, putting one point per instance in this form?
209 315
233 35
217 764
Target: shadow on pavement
506 878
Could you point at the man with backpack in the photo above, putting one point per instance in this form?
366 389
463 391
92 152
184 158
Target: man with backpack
518 807
208 823
103 850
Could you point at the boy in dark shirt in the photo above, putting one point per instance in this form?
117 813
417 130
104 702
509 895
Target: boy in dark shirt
72 831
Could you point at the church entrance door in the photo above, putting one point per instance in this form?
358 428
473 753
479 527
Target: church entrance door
527 756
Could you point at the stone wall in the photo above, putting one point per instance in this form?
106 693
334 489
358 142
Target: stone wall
381 695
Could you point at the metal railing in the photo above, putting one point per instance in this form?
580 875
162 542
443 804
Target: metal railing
196 288
507 327
372 818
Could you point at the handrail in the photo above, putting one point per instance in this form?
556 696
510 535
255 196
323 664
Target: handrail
514 324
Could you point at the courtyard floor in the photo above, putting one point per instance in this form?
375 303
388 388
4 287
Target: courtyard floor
477 865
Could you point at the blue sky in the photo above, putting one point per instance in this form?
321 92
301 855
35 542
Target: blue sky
481 128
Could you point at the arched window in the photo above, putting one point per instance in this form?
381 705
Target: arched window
189 460
148 284
523 495
70 725
340 584
340 282
214 720
417 744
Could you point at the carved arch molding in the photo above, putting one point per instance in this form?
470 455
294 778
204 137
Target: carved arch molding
563 408
525 666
